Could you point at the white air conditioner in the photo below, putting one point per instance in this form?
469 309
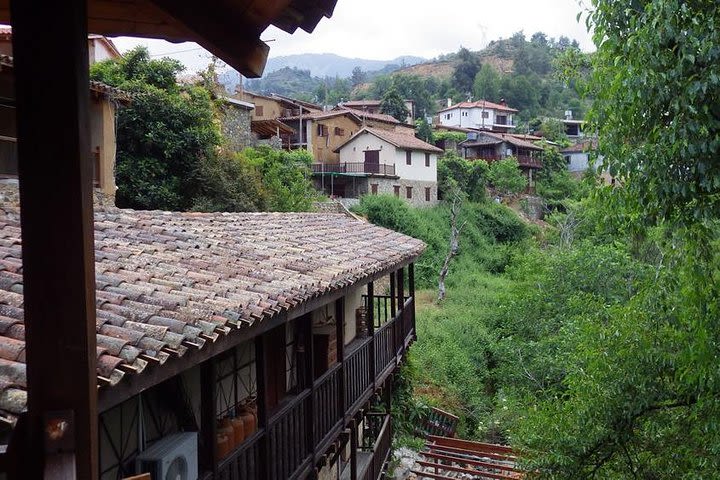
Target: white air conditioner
171 458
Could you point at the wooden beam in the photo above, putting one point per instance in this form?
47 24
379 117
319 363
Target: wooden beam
228 31
208 416
467 461
470 445
463 451
469 471
55 172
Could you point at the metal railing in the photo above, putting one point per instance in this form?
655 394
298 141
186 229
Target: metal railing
354 168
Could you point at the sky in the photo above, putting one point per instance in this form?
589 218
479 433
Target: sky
386 29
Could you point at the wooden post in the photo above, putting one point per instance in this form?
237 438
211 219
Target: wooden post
401 301
55 172
411 286
208 416
393 300
306 325
353 449
262 411
340 339
371 329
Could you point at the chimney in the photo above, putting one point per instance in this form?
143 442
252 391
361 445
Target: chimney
503 102
568 115
449 102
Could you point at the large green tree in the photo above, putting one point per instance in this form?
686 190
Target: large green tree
393 104
465 71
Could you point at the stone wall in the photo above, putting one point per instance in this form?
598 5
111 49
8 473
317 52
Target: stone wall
10 196
235 123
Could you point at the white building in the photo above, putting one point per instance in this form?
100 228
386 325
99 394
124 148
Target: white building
376 161
483 115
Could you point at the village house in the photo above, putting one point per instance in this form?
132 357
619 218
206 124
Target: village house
573 128
99 47
104 101
373 106
481 115
492 146
320 133
376 161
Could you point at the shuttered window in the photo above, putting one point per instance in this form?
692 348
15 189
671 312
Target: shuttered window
427 159
408 157
427 194
408 192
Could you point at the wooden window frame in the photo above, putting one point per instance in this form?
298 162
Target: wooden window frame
396 190
259 110
427 159
374 188
408 192
408 157
339 132
427 194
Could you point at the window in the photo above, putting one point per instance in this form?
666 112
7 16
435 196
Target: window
427 159
408 192
485 114
322 130
374 188
408 157
396 188
427 194
340 132
259 110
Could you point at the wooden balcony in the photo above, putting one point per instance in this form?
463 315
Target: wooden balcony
357 168
303 428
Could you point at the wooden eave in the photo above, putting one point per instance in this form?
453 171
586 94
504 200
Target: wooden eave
230 29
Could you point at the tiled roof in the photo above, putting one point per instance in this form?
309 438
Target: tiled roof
480 104
321 116
361 103
381 117
400 140
170 283
489 138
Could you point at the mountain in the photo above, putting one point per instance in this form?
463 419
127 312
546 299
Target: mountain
331 65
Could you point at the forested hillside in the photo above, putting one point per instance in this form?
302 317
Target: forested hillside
522 71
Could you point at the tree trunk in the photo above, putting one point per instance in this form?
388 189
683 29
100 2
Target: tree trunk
454 243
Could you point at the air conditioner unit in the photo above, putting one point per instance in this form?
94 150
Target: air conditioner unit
171 458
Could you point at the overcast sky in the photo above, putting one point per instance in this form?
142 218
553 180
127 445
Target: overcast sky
385 29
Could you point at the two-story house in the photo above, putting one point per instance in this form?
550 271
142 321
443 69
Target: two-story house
376 161
481 115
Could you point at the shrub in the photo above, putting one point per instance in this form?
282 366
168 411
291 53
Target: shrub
506 177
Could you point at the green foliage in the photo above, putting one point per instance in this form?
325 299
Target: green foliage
466 70
506 177
285 177
165 136
487 224
657 81
456 137
456 172
424 131
487 84
553 129
393 104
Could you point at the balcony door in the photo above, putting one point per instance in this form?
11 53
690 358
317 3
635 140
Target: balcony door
372 161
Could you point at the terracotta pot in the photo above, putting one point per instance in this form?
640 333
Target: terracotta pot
222 444
238 425
229 432
249 422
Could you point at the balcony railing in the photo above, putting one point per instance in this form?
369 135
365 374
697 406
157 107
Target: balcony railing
286 447
355 168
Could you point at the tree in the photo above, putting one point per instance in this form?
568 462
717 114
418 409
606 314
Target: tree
164 136
487 84
393 104
506 177
657 81
358 76
465 71
423 131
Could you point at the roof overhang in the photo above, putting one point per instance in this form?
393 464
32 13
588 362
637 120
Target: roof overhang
230 29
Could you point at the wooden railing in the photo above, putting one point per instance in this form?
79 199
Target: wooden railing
307 421
354 167
325 403
358 377
380 446
288 446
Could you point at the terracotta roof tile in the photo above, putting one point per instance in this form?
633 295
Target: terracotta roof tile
399 139
169 283
480 104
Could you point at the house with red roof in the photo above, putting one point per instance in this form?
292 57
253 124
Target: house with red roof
482 115
378 161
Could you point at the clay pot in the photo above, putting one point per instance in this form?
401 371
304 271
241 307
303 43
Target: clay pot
228 432
249 422
222 447
238 425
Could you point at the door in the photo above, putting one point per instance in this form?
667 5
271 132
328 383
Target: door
372 161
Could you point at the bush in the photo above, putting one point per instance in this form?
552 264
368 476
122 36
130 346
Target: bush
506 177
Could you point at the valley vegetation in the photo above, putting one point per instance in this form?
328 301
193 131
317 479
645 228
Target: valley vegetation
590 343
